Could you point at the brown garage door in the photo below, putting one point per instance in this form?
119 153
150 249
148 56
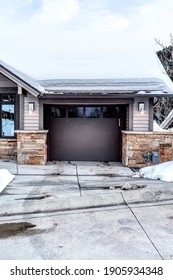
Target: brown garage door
84 133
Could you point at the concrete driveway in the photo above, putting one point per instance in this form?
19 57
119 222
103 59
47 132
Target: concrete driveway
79 211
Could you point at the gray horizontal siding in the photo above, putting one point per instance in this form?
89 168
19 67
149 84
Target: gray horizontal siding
141 121
5 82
31 121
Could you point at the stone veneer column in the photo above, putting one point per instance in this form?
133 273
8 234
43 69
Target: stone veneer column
134 144
32 147
8 149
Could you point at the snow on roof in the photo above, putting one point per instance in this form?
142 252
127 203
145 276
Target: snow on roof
158 84
22 76
148 78
138 85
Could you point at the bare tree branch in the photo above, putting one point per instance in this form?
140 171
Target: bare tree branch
159 43
164 105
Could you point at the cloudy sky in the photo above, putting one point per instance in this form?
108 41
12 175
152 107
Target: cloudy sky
84 38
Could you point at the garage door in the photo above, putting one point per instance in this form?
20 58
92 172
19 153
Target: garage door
84 133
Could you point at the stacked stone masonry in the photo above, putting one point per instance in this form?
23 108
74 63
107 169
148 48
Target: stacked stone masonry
32 147
134 144
8 149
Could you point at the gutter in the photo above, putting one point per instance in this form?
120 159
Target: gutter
74 95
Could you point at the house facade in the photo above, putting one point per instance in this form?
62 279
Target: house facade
79 120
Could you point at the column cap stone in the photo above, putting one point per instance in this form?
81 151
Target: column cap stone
31 131
147 132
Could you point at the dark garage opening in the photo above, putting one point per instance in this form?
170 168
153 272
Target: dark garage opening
84 133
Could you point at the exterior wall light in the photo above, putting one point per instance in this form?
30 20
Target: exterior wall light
31 107
141 107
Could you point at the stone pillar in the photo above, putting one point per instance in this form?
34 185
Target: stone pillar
8 149
32 147
134 144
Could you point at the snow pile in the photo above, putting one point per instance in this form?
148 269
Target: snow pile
162 171
5 178
156 127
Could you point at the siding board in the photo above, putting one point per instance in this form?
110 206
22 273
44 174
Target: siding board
31 120
141 121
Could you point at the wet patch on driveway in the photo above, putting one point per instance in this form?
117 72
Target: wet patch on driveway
11 229
34 197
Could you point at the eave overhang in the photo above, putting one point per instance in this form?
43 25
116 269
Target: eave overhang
20 82
103 94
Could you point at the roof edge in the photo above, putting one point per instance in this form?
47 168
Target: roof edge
22 79
14 78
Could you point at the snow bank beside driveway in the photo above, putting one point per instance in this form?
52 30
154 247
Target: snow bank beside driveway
5 178
162 171
157 127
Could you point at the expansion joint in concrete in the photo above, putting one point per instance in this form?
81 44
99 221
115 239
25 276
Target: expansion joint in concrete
141 226
77 175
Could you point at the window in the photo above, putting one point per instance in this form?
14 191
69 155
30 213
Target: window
62 111
76 112
58 112
111 112
93 112
7 111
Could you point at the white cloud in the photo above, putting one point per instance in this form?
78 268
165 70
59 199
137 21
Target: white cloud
122 23
57 11
156 19
83 38
29 2
113 23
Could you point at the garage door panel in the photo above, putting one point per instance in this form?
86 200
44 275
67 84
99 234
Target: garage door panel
84 139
